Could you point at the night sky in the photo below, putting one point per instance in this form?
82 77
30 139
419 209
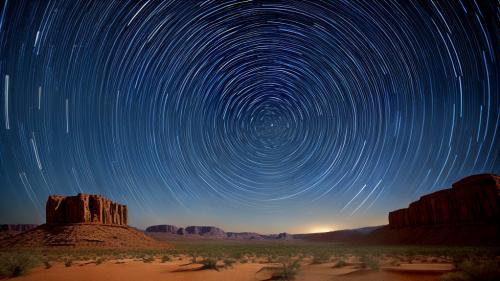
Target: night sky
260 116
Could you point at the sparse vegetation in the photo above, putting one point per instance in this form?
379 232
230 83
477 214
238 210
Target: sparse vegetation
287 270
16 264
229 262
68 262
165 258
320 258
478 269
370 263
472 263
340 263
99 260
209 263
148 259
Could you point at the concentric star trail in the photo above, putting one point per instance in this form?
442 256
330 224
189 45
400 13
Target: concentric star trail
350 107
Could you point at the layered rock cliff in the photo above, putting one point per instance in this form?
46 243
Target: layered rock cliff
166 231
205 231
472 200
85 208
164 228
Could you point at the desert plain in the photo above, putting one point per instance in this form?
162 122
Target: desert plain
258 260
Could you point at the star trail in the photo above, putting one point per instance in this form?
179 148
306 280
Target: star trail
250 115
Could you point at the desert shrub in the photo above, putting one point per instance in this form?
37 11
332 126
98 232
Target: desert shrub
455 276
482 269
209 263
194 257
236 255
287 271
340 263
270 259
229 262
99 260
369 262
320 258
68 262
165 258
148 259
16 265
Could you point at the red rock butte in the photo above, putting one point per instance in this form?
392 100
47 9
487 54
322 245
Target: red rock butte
472 200
85 208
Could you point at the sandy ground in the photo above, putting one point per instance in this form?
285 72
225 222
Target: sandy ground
130 270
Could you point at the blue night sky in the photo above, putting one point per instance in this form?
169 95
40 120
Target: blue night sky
260 116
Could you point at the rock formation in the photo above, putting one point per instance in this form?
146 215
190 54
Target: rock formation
17 227
166 231
472 200
85 208
164 228
8 230
83 220
205 231
244 236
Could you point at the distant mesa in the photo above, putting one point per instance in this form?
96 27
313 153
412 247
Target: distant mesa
85 208
165 228
211 232
245 236
205 231
475 199
7 230
83 220
17 227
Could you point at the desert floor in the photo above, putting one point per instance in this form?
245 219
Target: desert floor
228 261
183 270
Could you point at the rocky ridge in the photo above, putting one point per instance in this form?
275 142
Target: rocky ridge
82 221
211 232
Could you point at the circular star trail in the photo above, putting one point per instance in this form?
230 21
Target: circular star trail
260 105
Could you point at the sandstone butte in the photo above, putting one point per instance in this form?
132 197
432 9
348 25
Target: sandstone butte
472 200
90 221
85 208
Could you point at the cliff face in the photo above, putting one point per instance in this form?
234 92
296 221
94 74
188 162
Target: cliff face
85 208
164 228
205 231
475 199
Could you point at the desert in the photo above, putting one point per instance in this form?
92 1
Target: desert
72 246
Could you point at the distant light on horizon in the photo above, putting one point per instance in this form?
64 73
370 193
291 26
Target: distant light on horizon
322 228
